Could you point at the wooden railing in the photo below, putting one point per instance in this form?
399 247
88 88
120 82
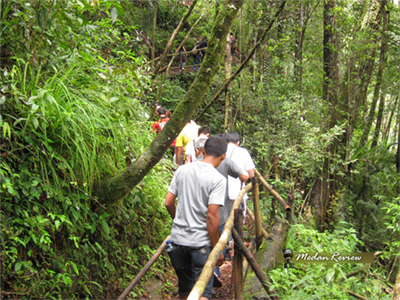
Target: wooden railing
240 268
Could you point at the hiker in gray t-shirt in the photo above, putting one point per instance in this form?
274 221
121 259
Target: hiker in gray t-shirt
200 190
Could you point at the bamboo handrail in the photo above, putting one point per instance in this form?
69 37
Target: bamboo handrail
144 270
273 192
209 266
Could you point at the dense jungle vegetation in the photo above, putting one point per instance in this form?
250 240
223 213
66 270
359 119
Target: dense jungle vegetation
83 178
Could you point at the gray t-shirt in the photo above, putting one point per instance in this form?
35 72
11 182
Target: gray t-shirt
196 186
227 167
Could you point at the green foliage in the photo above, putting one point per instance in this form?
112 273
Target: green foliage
70 116
318 281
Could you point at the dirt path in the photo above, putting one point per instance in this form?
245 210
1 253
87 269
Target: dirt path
218 293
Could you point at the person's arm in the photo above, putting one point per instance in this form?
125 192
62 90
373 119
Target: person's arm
251 173
243 177
235 171
213 228
179 151
170 204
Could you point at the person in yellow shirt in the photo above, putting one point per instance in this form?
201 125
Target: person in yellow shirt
188 133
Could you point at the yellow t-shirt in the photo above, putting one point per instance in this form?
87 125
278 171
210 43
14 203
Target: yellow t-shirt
188 133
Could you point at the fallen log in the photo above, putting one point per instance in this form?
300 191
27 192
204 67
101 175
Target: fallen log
266 258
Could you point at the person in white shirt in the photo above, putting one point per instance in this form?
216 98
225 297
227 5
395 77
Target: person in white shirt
243 160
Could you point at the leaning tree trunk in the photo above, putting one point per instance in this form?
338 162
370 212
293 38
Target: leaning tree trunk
114 188
266 257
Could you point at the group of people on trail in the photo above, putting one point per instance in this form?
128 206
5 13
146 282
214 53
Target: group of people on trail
198 52
210 172
205 184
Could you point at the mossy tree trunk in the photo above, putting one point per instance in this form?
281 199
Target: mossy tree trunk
114 188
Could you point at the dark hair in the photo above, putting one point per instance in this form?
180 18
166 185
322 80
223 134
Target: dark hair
162 110
203 130
154 104
231 137
215 146
231 33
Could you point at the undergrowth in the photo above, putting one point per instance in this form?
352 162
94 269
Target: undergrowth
58 141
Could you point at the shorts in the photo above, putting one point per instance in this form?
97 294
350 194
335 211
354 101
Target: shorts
188 263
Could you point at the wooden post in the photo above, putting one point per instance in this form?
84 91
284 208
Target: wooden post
252 262
250 214
257 212
238 257
144 270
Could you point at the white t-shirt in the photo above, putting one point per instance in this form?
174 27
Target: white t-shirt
196 186
243 160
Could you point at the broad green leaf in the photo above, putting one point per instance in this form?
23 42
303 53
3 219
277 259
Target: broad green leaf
105 227
114 14
17 267
75 267
35 122
330 274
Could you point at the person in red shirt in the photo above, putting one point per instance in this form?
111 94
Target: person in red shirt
159 125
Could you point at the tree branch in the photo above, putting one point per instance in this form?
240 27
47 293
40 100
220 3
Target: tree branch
171 40
245 61
114 188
